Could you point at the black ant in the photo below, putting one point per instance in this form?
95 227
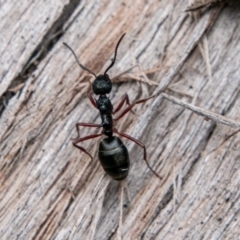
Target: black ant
112 153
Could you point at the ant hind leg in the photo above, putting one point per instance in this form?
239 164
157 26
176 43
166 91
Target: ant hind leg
78 140
142 146
82 124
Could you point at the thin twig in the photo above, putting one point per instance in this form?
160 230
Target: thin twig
119 232
206 58
203 112
99 206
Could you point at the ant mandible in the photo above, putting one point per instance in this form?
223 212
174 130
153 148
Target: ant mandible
112 153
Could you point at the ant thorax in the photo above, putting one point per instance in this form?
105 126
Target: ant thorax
104 105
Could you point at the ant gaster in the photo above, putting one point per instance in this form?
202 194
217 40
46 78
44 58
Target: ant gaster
112 153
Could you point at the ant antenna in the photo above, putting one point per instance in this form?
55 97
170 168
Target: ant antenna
83 67
115 55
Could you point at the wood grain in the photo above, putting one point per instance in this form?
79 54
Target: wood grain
50 190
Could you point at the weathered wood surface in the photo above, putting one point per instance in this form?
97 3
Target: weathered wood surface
50 190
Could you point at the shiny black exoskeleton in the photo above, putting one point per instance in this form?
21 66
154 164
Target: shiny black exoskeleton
113 154
114 158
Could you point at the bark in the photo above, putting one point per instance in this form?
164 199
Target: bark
51 190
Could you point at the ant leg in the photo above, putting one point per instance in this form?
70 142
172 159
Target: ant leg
131 106
124 99
78 140
82 124
92 100
139 144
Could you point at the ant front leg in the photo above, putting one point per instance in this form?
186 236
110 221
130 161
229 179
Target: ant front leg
131 106
139 144
82 124
78 140
124 99
92 100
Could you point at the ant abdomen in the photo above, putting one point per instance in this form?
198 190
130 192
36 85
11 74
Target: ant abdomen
114 158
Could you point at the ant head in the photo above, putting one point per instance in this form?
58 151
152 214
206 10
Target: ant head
102 83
